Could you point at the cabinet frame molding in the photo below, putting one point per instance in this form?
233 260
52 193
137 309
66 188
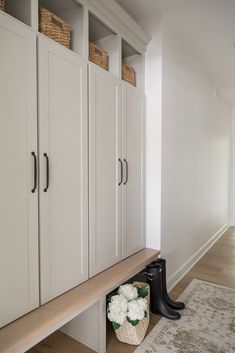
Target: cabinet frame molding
19 259
63 163
96 264
135 92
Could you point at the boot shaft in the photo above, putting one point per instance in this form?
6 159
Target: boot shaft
171 303
154 273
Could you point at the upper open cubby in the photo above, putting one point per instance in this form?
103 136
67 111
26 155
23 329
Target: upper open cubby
86 27
107 40
20 9
73 13
136 60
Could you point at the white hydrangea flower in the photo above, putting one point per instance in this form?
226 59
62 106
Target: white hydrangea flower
128 291
117 309
143 303
136 309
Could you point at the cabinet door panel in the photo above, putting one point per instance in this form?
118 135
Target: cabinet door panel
19 292
63 136
134 154
105 150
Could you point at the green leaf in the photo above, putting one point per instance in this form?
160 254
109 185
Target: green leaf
115 325
145 314
133 322
142 292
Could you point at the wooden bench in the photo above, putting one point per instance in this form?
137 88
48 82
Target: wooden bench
24 333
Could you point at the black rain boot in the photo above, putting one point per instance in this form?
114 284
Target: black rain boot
172 304
158 304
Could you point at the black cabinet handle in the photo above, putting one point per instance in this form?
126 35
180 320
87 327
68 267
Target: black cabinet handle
126 172
121 171
47 172
35 172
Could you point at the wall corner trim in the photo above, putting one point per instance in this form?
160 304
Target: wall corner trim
186 267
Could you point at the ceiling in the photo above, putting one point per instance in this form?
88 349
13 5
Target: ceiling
207 26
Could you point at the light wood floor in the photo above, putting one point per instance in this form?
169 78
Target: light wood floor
216 266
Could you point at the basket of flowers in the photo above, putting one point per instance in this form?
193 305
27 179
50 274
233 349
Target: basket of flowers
128 311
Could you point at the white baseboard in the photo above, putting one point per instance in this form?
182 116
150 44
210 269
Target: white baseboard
186 267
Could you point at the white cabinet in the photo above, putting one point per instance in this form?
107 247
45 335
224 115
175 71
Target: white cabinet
104 169
117 169
133 200
19 291
45 185
63 168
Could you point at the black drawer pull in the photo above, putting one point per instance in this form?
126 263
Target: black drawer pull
47 172
121 171
126 171
35 172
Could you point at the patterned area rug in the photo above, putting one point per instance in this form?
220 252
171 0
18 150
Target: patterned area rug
207 324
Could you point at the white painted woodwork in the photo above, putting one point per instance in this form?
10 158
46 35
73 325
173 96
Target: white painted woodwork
133 200
108 41
119 21
98 29
111 45
63 136
19 291
104 169
117 212
137 61
20 10
75 16
89 327
96 20
109 13
73 13
34 6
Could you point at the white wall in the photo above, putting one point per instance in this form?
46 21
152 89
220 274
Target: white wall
188 149
232 172
153 82
195 157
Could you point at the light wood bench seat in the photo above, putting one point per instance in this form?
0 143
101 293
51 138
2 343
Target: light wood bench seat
30 329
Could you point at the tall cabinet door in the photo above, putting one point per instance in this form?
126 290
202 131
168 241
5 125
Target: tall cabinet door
63 168
19 291
104 169
134 170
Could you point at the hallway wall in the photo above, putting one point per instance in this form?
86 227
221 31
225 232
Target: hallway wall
232 172
195 157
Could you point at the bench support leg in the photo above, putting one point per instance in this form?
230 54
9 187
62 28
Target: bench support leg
89 327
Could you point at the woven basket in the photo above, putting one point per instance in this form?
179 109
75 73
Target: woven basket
128 74
54 27
98 56
130 334
2 5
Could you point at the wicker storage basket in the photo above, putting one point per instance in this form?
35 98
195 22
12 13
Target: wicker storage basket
98 56
128 74
54 27
2 5
130 334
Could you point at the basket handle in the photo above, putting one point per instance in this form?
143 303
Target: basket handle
98 51
56 22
